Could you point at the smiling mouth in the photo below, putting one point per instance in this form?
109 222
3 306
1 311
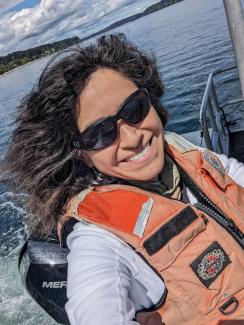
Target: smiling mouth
144 154
141 154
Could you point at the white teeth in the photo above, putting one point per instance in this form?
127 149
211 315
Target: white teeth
141 154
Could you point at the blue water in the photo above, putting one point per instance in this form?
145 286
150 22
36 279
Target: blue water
189 39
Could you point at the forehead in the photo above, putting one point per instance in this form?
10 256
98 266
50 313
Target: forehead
104 93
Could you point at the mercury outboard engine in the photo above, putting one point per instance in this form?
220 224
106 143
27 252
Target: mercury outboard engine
43 269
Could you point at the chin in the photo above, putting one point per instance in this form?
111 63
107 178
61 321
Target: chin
147 174
144 178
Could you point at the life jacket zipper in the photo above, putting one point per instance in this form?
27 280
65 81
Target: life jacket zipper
206 205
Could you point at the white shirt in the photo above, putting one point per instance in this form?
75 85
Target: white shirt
107 281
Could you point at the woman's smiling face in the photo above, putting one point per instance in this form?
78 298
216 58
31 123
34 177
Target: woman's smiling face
137 152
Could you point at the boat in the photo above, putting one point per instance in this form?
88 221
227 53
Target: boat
217 133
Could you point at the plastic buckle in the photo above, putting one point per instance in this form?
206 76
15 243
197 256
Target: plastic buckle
224 309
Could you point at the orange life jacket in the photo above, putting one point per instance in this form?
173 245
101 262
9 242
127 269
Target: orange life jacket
198 251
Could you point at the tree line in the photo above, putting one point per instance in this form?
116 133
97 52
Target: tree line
16 59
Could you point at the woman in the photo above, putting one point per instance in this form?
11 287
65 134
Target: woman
94 119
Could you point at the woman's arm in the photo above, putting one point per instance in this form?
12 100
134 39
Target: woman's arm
98 281
107 280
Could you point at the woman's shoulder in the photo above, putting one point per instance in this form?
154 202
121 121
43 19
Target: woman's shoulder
232 167
88 239
85 230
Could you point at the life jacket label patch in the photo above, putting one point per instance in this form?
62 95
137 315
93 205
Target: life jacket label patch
210 264
213 160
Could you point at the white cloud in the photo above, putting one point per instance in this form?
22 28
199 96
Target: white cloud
51 20
5 5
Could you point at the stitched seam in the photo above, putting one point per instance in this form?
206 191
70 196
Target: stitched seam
122 304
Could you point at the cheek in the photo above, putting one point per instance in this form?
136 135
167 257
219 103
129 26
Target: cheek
158 122
103 160
153 122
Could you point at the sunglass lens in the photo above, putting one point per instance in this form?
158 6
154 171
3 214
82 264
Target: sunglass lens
88 139
136 109
99 136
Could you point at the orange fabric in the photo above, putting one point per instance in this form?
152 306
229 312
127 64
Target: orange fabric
113 208
189 301
218 186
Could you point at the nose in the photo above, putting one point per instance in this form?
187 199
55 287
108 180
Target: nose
130 136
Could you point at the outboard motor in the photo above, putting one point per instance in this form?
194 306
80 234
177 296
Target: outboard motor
43 269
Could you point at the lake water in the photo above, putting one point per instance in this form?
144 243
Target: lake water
189 39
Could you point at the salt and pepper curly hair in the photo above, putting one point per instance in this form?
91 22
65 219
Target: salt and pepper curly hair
41 160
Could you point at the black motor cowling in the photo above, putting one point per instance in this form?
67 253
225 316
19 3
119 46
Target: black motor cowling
43 269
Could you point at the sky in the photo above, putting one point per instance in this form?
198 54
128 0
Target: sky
29 23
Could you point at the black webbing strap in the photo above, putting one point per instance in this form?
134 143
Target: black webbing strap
67 228
169 230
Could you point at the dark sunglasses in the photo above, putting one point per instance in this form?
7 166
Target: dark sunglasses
103 133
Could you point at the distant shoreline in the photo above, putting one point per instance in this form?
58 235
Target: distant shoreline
20 57
23 65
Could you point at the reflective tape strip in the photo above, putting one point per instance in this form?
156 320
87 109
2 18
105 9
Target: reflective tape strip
143 218
181 144
77 199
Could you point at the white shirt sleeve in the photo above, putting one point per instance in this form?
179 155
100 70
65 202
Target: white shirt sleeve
234 169
98 281
107 280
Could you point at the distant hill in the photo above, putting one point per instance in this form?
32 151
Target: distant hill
16 59
155 7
